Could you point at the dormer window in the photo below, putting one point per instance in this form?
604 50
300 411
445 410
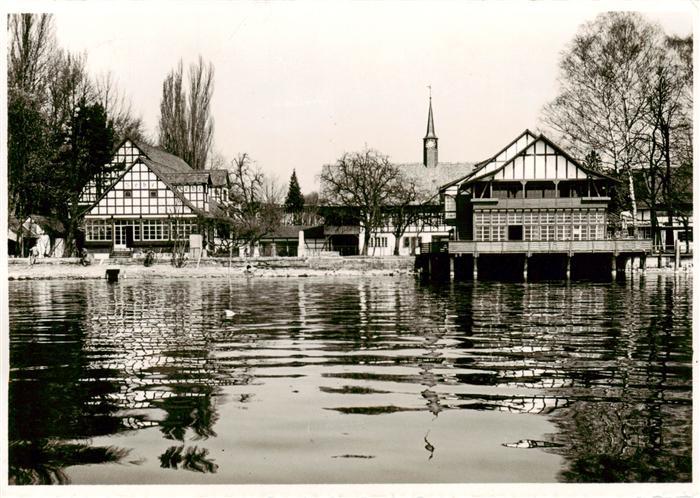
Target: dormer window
127 193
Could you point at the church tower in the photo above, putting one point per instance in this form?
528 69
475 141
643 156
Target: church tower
430 142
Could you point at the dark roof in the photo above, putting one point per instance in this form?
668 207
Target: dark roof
341 230
317 232
431 179
177 171
154 167
168 162
219 177
284 232
198 177
47 223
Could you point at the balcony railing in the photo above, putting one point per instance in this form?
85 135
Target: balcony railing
434 247
554 246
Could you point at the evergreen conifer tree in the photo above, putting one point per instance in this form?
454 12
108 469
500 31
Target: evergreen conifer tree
294 204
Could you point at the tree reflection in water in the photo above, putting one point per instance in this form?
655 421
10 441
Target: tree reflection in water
100 366
43 461
608 365
194 459
187 412
49 401
614 442
644 436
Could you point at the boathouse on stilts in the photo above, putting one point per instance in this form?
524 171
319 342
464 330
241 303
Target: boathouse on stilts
531 211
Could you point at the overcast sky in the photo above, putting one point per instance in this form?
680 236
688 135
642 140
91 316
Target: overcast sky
298 84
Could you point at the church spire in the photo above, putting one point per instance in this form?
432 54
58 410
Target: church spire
430 146
431 126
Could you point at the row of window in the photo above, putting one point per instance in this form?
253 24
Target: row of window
126 193
536 233
142 230
378 241
500 225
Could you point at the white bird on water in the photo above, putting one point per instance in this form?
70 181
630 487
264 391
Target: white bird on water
229 314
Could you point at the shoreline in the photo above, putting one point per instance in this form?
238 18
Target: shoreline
70 269
65 270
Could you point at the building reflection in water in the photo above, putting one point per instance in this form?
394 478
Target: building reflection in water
131 360
52 410
158 355
608 364
611 368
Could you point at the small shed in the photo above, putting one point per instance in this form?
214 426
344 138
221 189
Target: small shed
46 232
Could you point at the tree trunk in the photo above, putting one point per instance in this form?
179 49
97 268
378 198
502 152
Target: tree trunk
366 236
668 187
397 240
633 200
654 226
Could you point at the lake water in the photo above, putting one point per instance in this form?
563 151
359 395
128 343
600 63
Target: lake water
365 380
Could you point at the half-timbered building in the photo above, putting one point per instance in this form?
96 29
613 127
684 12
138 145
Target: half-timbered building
148 198
532 199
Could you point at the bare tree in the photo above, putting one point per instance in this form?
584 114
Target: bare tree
310 215
118 108
604 84
201 124
273 190
69 85
172 126
671 115
405 208
363 180
254 208
216 160
186 127
32 44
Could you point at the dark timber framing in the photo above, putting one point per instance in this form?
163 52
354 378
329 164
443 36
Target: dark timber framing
532 207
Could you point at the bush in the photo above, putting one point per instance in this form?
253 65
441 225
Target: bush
179 254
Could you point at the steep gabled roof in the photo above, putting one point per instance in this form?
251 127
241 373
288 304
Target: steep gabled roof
524 151
167 182
168 162
156 171
482 164
481 171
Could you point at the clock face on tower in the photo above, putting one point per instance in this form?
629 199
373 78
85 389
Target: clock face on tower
430 144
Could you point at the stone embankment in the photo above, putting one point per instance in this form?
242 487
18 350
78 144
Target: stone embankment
70 268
